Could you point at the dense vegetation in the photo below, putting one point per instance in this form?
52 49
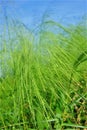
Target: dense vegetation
43 84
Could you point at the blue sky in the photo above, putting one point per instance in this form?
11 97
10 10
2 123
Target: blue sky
31 12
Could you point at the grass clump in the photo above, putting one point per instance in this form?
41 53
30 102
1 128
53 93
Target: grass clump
43 85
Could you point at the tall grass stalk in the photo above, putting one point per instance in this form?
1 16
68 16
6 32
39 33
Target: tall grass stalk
43 85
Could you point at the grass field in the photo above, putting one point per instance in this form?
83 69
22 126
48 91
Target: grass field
43 84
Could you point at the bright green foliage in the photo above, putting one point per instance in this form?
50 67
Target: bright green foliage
44 85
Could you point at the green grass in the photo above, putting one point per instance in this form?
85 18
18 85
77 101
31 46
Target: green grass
44 85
